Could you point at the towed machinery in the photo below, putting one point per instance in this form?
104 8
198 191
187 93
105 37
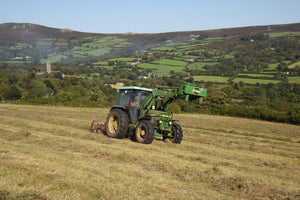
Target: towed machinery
143 112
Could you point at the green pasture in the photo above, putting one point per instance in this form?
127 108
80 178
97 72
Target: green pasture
122 44
189 56
294 79
171 62
100 63
81 48
292 66
129 59
217 39
275 65
258 75
176 53
53 59
254 81
161 68
200 65
163 48
230 55
19 46
98 52
15 62
219 79
89 52
222 79
78 54
196 50
194 43
103 43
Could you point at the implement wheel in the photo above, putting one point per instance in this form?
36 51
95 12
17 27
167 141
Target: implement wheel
144 132
117 124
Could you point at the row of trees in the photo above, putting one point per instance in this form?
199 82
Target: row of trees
274 102
69 91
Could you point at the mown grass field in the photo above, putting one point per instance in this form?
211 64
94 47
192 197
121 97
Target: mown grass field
48 153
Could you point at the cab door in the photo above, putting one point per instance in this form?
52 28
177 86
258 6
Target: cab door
134 106
135 102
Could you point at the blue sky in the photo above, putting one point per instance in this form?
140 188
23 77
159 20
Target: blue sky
151 16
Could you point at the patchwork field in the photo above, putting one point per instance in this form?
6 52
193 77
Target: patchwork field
48 153
96 47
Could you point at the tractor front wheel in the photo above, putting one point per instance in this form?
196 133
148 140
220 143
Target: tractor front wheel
117 124
177 134
144 132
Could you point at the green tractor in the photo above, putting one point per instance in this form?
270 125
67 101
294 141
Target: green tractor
143 113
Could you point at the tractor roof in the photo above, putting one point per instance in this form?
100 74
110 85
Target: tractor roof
136 88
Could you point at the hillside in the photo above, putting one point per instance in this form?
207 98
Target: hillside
31 43
251 72
25 32
48 153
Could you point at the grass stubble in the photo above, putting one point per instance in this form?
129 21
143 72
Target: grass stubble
48 153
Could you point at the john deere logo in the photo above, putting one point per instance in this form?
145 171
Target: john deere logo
196 91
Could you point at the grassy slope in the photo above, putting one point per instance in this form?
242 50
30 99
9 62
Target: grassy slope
48 152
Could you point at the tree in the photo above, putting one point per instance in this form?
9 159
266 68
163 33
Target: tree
216 97
190 80
3 87
37 89
13 93
254 96
111 63
174 108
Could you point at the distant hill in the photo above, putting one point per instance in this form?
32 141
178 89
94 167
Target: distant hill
24 32
24 42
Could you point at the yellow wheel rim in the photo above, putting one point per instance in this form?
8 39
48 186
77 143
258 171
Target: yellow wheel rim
113 124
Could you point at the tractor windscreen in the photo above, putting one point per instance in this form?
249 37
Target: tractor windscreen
132 98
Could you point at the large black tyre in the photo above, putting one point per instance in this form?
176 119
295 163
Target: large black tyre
117 124
144 132
177 134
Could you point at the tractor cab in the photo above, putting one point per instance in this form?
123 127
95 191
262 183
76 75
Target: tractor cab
132 97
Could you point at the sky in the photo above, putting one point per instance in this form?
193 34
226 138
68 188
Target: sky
150 16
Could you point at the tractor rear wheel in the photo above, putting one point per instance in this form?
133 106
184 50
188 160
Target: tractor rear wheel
117 124
177 134
144 132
